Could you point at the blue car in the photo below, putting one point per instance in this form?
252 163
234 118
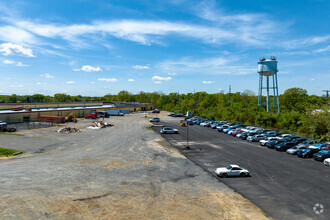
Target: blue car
322 155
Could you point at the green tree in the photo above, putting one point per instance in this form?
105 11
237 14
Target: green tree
294 99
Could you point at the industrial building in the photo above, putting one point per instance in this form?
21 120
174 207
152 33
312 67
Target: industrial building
30 112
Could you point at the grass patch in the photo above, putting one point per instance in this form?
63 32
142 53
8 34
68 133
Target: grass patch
149 128
9 152
8 133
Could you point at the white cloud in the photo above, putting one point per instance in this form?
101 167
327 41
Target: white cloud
70 82
312 79
108 79
14 62
39 83
208 82
89 68
138 67
326 49
16 35
160 79
8 62
251 29
21 64
47 75
15 49
210 66
131 80
92 82
171 74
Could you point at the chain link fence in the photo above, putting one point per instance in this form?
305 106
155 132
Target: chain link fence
32 125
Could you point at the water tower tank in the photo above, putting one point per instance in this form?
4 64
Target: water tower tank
267 67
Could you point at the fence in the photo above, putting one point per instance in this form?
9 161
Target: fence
32 125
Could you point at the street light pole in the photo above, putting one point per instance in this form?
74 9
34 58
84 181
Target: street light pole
188 147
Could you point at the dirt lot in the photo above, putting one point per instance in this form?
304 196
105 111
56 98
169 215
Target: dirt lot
120 172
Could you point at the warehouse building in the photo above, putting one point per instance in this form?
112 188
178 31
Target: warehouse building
30 112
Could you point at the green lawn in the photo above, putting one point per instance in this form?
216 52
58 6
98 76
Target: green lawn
9 152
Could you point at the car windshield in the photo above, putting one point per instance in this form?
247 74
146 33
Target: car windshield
228 167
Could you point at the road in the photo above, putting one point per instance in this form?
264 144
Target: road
282 185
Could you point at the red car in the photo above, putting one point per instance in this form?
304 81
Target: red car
236 132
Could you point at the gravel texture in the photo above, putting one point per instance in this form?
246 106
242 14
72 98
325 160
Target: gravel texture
120 172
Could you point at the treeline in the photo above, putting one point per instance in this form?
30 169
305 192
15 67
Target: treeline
300 112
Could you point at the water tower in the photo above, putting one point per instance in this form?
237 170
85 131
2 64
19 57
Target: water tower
267 69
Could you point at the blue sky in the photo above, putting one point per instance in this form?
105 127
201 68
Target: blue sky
94 48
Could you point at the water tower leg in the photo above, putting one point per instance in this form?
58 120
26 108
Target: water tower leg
267 93
278 102
274 93
260 90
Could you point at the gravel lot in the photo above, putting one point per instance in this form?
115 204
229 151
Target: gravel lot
120 172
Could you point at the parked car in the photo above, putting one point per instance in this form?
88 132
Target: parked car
154 120
284 146
264 141
244 137
327 162
308 152
168 130
170 114
228 129
271 144
295 149
307 143
232 170
155 111
255 138
219 129
319 145
322 155
238 131
298 140
240 135
205 124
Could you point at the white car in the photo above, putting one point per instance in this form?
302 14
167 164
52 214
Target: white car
266 140
154 120
232 170
327 161
168 130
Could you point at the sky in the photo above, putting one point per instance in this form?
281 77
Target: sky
94 48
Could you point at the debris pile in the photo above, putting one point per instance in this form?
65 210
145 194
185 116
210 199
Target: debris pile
67 130
99 125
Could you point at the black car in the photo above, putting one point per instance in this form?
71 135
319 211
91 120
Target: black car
322 155
271 144
298 140
284 146
308 152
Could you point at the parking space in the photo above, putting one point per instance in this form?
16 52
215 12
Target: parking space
284 186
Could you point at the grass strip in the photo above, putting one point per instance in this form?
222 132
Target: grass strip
8 152
8 133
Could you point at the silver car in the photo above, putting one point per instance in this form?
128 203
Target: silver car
294 150
255 138
168 130
232 170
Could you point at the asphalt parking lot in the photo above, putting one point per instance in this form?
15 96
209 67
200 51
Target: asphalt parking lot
282 185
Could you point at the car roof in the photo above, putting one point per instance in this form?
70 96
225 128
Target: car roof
233 165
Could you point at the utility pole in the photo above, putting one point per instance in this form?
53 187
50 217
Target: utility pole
327 94
188 147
